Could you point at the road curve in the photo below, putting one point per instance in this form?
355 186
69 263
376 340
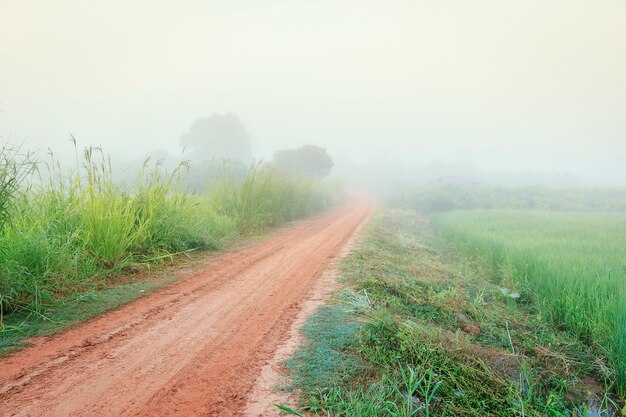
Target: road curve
193 348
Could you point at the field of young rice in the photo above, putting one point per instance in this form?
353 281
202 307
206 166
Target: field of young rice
65 231
572 265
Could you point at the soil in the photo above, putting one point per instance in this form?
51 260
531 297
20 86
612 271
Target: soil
194 348
272 385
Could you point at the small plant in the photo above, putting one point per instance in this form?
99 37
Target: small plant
510 297
417 393
288 410
357 301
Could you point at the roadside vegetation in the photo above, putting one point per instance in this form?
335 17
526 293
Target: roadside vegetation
571 267
69 234
421 328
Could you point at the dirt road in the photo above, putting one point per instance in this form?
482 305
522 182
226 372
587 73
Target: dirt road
191 349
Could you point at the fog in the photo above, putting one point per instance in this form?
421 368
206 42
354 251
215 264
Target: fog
503 90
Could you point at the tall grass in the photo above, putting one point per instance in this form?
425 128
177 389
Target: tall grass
14 167
268 196
572 265
71 229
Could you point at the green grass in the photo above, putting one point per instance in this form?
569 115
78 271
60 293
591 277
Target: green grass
418 330
571 266
267 196
67 233
14 167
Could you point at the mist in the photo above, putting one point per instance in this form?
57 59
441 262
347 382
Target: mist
498 91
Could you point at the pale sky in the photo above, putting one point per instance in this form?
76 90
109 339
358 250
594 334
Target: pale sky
533 85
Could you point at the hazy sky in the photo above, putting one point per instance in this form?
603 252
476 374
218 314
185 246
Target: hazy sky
505 85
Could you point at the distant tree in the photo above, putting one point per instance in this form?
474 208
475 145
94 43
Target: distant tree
204 175
217 136
308 160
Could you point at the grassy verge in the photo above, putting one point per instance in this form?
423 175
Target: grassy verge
420 331
70 310
120 288
571 266
66 237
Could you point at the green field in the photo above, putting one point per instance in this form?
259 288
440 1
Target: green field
572 266
422 328
441 198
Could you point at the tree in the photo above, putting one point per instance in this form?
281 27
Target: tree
308 160
206 174
217 136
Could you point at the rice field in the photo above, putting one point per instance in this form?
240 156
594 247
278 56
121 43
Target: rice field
572 266
66 231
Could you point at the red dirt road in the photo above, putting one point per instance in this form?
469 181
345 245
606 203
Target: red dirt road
191 349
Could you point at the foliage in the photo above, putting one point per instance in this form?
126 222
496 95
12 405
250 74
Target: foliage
13 168
268 196
73 230
308 160
572 265
217 136
204 175
419 330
